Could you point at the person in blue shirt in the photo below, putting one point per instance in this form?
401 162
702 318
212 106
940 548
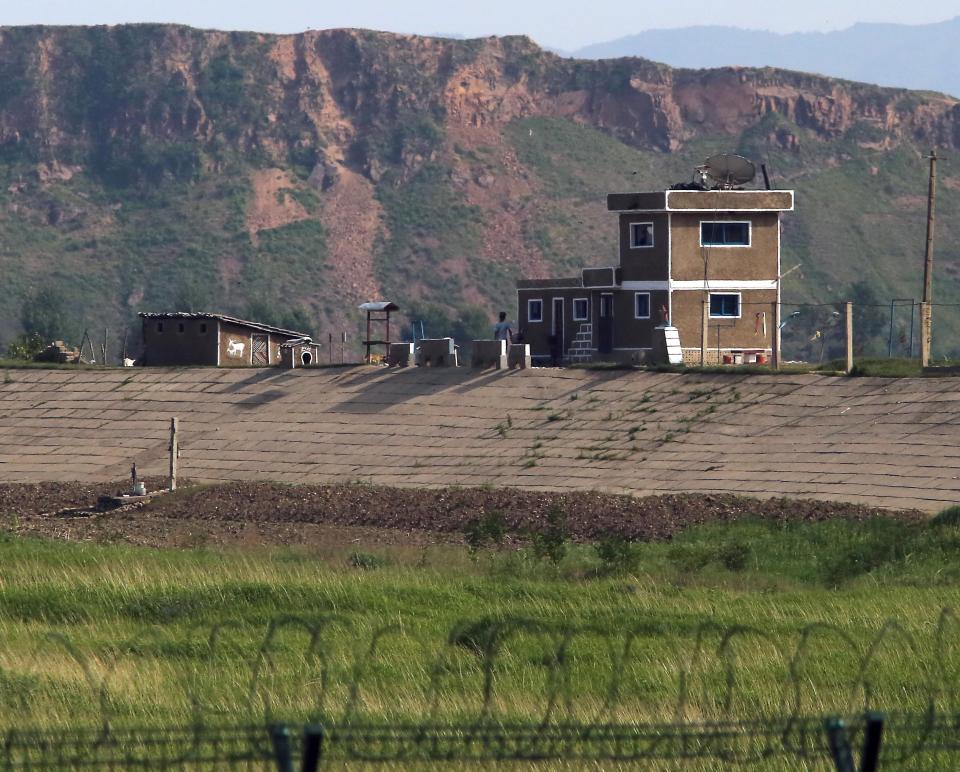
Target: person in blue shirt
502 329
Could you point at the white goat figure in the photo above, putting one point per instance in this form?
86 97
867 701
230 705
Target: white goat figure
235 348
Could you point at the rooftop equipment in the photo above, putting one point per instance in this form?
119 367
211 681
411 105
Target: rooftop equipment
726 172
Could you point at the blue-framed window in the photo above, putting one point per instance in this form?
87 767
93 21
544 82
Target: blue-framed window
724 234
641 305
641 235
725 305
535 310
581 309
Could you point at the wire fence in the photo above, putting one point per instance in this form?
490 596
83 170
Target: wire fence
858 742
816 332
922 729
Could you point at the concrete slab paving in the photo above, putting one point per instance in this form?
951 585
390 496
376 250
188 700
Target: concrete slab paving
887 442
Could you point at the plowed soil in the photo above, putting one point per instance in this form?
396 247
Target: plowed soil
265 513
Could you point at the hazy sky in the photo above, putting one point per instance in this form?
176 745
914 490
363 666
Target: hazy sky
566 24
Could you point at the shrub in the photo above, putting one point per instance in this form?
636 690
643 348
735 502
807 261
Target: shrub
487 531
689 558
734 555
550 542
949 517
26 346
617 554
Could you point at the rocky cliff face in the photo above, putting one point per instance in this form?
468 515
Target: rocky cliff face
376 162
67 93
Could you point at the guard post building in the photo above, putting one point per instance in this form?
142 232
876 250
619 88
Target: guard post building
691 258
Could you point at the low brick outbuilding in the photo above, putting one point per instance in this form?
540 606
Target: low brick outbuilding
186 338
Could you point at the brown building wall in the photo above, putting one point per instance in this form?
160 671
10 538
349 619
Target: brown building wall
734 333
645 263
758 261
628 331
537 334
179 342
234 345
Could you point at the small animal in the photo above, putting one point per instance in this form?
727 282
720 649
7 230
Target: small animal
235 348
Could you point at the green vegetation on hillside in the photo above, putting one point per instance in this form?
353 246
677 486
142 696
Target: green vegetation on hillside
136 622
433 239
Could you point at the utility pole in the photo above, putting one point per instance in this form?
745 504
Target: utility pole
926 336
704 321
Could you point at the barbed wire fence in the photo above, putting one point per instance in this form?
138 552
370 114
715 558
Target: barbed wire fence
265 736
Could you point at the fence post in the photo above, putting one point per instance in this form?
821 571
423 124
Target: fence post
312 748
174 453
777 342
704 331
849 315
924 334
870 758
280 737
839 745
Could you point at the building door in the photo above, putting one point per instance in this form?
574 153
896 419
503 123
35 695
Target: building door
557 342
605 325
260 350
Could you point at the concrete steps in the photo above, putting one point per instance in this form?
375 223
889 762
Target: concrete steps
581 347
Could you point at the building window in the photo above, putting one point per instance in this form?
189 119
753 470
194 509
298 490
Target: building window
159 326
641 305
535 310
725 305
641 235
724 234
181 327
581 309
203 328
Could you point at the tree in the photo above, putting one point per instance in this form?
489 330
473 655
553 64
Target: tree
43 313
26 347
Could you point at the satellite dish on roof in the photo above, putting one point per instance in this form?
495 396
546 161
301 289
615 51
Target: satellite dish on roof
727 171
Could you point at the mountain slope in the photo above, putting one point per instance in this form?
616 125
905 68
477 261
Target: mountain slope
291 177
902 55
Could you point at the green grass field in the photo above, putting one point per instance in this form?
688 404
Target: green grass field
740 621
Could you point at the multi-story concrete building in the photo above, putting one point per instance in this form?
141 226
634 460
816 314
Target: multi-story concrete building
693 259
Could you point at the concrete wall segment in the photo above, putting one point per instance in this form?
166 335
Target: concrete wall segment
875 440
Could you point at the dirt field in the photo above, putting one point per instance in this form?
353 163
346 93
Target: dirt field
250 514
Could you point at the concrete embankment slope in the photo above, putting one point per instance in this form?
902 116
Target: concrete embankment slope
884 442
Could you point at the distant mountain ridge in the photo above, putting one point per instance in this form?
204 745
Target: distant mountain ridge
907 56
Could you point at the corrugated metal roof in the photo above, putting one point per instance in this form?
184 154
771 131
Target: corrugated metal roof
379 305
224 318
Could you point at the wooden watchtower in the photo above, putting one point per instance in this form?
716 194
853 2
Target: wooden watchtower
378 312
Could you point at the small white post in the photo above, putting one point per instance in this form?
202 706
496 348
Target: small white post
174 454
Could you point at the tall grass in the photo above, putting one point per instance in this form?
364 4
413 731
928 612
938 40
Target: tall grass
744 620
